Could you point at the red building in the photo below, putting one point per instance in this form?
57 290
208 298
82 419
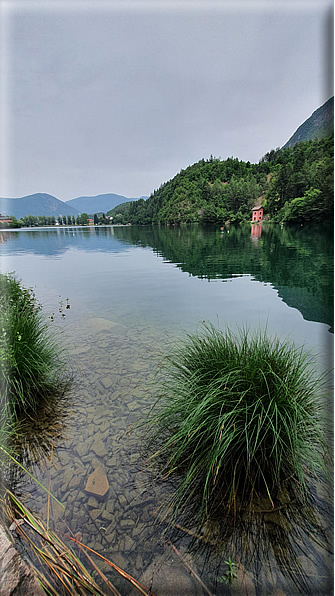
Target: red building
257 214
5 219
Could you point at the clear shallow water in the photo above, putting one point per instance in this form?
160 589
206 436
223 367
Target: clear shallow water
133 291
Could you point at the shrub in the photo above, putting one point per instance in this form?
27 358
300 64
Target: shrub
236 417
32 369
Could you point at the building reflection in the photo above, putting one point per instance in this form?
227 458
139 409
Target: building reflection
5 236
256 231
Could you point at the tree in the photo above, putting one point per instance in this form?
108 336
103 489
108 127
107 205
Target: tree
272 198
84 219
15 223
304 208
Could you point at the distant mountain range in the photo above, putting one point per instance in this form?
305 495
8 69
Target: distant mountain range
99 203
37 204
45 204
319 125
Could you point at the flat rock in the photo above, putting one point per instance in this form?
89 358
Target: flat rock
100 324
94 513
107 382
81 449
99 448
16 578
56 511
97 483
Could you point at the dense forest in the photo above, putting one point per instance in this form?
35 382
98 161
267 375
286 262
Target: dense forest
293 185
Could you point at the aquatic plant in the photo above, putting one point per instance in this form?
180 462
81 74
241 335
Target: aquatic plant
230 574
237 418
58 568
31 366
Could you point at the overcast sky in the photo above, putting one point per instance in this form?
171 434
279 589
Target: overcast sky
119 96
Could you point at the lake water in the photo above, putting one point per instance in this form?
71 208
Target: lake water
133 292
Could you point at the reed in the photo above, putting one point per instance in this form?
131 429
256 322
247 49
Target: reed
32 367
58 568
237 416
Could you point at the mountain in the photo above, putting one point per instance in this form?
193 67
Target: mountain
319 125
294 184
36 204
97 204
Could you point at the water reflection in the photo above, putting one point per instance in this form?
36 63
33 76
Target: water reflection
55 242
256 231
296 261
287 548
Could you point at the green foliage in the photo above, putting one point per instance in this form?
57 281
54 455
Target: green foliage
83 219
237 416
10 225
307 167
100 219
32 369
306 208
215 191
205 192
37 220
230 574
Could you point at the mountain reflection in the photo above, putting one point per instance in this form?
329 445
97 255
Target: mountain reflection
54 242
296 261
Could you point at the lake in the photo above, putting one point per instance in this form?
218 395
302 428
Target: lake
132 292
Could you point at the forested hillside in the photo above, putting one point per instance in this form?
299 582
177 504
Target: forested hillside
293 184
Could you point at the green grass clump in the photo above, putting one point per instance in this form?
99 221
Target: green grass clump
237 418
31 367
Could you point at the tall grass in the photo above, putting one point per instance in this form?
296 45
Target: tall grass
32 368
56 565
237 418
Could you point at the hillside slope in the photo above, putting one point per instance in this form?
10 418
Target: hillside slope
294 184
319 125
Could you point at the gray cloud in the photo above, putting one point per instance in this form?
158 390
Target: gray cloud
121 100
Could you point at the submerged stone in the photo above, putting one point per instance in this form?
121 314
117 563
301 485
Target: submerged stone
99 448
97 483
107 382
15 575
95 514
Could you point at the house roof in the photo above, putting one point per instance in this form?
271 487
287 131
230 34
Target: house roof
258 202
257 208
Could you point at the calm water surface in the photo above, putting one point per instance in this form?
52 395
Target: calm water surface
133 291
